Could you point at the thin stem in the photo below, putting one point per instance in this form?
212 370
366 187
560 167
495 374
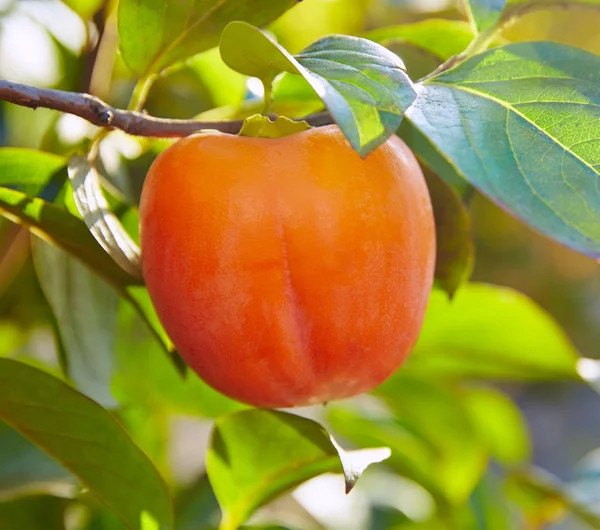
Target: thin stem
140 93
99 113
268 95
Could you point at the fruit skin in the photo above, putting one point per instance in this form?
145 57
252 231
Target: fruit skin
288 271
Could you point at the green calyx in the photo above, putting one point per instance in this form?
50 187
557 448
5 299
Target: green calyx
259 126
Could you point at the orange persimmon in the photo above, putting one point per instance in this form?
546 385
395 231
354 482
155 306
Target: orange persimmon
288 271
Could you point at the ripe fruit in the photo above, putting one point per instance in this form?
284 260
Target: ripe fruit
288 271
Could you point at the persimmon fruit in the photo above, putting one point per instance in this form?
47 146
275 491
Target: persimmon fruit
288 271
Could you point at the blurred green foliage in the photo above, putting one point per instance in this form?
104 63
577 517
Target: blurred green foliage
460 441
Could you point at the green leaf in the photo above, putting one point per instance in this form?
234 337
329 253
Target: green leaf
86 440
57 226
155 34
28 169
412 455
491 332
85 8
364 86
26 469
454 250
429 156
32 513
499 423
85 308
435 413
484 14
256 455
102 223
440 37
258 126
521 123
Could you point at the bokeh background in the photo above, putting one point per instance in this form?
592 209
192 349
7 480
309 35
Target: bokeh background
45 43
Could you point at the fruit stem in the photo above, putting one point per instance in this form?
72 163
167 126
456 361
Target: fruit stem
268 95
140 93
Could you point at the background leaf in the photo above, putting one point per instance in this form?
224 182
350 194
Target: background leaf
27 169
86 440
440 37
26 469
85 308
520 122
499 423
256 455
30 513
155 34
62 229
484 14
454 248
85 8
493 332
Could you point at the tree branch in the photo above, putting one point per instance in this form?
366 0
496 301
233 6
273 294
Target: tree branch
97 112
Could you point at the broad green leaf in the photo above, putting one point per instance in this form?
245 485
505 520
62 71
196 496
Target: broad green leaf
86 440
491 508
155 34
499 423
364 86
255 455
521 123
197 507
454 248
412 455
26 469
435 413
484 14
440 37
85 308
85 8
33 513
103 224
57 226
491 332
28 169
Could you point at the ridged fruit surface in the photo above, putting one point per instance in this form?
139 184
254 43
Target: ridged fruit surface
288 271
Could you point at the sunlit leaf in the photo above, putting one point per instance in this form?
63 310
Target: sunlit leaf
484 14
256 455
85 308
27 169
429 409
155 34
86 440
85 8
440 37
521 123
499 423
493 332
364 86
103 224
